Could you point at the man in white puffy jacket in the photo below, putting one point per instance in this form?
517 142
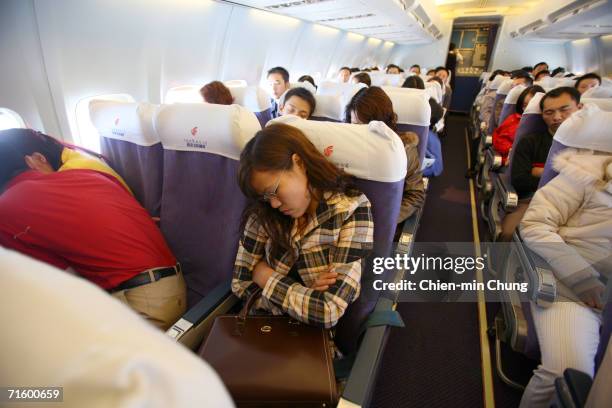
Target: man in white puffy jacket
569 223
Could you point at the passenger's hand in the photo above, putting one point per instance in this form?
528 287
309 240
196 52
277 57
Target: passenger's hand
537 171
261 273
325 280
592 298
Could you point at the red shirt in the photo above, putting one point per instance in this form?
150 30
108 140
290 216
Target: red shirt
503 136
83 219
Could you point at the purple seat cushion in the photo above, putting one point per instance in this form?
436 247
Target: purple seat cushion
549 172
202 206
507 110
141 167
264 117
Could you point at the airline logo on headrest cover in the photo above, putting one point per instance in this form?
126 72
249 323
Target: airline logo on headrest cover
117 132
116 121
193 142
328 151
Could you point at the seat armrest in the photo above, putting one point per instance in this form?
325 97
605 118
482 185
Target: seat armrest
200 311
406 239
573 388
509 197
538 273
361 381
494 158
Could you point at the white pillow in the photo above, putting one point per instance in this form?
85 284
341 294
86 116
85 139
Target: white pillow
588 128
128 121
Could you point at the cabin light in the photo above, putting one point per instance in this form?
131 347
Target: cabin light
355 36
328 20
389 43
374 40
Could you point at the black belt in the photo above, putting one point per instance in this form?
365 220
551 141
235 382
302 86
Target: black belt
145 277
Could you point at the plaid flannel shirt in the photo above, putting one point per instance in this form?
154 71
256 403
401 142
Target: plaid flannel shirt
341 234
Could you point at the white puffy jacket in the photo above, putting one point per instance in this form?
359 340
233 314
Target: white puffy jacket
569 221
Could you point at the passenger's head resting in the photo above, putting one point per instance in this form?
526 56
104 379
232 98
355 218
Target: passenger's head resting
587 81
27 149
363 78
589 128
393 69
495 83
505 87
525 96
540 66
414 82
558 105
298 101
344 74
216 92
308 78
371 104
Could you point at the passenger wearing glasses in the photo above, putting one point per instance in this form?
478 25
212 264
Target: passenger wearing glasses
306 230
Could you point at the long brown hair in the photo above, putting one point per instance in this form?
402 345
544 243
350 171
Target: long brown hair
217 92
372 104
272 149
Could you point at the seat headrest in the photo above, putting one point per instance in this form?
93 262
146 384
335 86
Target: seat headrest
598 92
533 107
547 82
235 83
514 93
603 104
565 82
588 128
435 90
494 85
253 98
184 94
504 87
128 121
394 79
411 106
210 128
329 106
346 89
304 84
370 152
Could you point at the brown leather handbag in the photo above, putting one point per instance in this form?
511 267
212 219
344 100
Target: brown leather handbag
271 361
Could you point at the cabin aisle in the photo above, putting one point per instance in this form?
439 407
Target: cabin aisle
435 361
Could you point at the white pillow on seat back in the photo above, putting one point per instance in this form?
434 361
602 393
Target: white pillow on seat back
128 121
329 106
411 105
218 129
514 93
504 87
533 107
588 128
352 147
252 97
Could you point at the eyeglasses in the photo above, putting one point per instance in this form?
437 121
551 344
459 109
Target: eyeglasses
269 195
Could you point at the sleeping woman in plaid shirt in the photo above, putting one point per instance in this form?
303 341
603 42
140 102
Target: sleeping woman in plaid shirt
306 232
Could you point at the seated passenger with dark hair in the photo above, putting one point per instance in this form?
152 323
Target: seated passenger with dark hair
430 73
308 78
587 81
87 221
503 135
298 101
306 231
521 78
344 74
532 150
558 71
437 112
216 92
540 66
527 69
415 69
542 74
393 69
278 80
374 104
362 78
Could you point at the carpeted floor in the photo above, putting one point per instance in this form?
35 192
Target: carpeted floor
435 361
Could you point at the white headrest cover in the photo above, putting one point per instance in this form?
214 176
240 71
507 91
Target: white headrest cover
184 94
217 129
588 128
505 87
485 76
565 82
435 90
371 152
329 106
603 104
494 85
235 83
598 92
412 108
533 107
394 79
346 89
547 82
253 98
514 93
304 84
128 121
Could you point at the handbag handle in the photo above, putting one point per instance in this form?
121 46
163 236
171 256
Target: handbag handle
241 320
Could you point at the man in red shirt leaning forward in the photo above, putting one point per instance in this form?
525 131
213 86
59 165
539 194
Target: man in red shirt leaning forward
87 221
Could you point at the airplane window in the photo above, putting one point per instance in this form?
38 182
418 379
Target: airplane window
184 94
10 119
235 83
87 135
